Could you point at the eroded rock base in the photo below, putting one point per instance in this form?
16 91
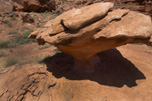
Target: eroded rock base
86 65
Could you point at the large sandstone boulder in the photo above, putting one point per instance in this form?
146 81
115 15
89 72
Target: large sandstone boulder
34 5
89 30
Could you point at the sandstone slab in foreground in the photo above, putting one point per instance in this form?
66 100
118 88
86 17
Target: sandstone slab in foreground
89 30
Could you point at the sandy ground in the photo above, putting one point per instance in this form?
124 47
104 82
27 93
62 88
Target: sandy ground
125 74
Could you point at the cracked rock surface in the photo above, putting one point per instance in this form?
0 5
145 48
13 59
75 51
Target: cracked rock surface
18 83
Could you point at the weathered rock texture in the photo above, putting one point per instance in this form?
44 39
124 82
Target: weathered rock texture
84 32
124 75
34 5
18 83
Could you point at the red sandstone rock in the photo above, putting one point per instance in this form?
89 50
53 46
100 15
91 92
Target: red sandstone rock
84 32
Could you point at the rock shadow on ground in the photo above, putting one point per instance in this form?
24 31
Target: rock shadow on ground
113 70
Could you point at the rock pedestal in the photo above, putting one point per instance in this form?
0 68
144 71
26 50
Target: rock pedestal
89 30
86 65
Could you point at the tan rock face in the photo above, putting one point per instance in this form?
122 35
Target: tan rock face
84 32
34 5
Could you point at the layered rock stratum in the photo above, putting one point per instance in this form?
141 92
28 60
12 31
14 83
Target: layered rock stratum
89 30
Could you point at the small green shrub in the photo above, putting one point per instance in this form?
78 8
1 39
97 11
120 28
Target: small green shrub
10 25
37 25
1 30
12 33
53 16
24 39
10 50
6 21
10 61
56 50
138 43
7 44
45 14
24 28
21 18
11 44
1 60
38 59
2 54
3 44
43 47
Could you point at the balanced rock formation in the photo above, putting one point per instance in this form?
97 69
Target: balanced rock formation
34 5
89 30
